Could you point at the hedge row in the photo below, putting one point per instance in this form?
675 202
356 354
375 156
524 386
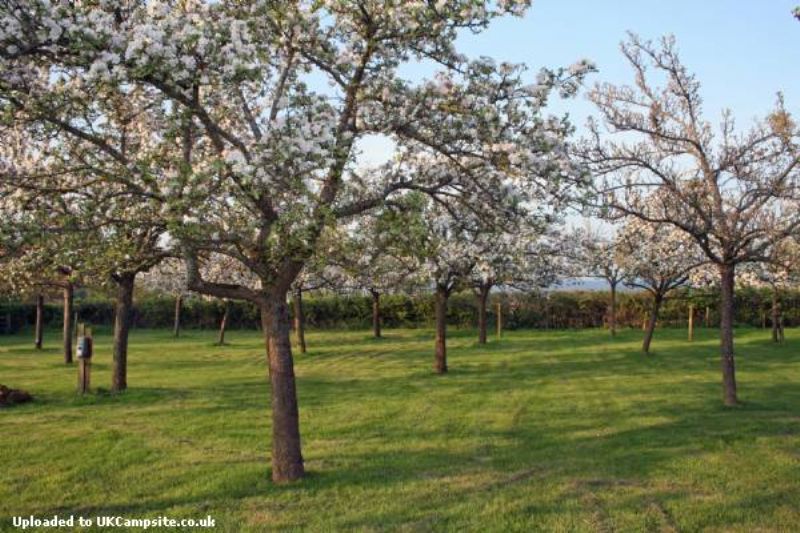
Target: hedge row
560 309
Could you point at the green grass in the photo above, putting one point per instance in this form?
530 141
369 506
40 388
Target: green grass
544 430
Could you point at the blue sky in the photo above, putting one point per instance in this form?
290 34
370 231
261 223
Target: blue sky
743 51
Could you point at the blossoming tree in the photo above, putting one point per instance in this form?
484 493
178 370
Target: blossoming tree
596 255
657 258
169 277
252 159
376 254
778 274
734 192
526 258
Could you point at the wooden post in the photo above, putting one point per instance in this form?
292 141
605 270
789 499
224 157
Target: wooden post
644 322
691 322
84 353
708 317
499 320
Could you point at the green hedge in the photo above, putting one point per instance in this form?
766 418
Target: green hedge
560 309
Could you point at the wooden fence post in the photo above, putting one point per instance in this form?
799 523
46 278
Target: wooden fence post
691 322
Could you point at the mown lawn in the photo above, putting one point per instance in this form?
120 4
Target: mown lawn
543 430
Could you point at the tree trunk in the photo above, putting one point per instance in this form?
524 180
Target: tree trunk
483 297
39 335
726 312
776 314
287 459
499 314
612 313
122 323
223 325
708 317
376 314
299 320
68 326
691 322
651 323
176 328
441 330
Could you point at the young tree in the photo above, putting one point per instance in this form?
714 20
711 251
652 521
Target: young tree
375 254
35 268
450 253
308 279
734 193
657 258
268 157
29 277
169 277
598 256
527 259
778 274
222 269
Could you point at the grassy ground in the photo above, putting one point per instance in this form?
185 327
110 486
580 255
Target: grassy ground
544 430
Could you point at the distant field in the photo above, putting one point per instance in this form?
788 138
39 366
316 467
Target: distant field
544 430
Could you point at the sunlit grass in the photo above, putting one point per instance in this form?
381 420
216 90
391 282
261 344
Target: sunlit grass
543 430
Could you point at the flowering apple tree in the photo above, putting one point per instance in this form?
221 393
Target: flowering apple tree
250 157
734 192
657 258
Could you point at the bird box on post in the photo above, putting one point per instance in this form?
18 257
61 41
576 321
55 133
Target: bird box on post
84 353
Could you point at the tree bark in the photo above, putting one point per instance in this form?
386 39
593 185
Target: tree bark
441 329
727 278
287 459
68 325
612 313
499 317
376 313
39 335
483 297
223 325
651 323
776 317
299 320
122 323
176 328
